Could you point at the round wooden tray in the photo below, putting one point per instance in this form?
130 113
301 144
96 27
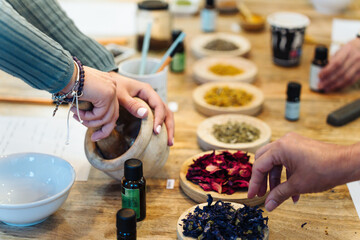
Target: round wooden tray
196 193
198 43
202 74
253 108
179 228
207 140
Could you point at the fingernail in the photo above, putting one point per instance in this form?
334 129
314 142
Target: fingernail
141 112
172 142
271 205
158 129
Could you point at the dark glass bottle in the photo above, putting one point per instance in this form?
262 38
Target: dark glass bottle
319 62
178 60
133 192
292 110
126 224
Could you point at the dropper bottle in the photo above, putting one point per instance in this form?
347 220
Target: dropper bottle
126 224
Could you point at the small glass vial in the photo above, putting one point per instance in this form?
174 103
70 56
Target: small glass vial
319 62
156 12
133 192
208 17
178 60
292 110
126 224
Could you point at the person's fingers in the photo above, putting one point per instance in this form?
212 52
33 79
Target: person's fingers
110 116
170 127
263 187
262 150
349 77
278 195
334 64
275 176
103 132
261 167
341 76
136 108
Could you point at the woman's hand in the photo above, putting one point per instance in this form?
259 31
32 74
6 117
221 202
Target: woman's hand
128 88
311 166
343 68
100 90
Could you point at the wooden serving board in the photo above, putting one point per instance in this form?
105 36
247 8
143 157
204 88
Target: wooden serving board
253 108
196 193
207 141
179 228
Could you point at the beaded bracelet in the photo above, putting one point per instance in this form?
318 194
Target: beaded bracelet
75 92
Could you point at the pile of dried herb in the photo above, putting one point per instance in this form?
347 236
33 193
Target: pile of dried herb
221 45
235 132
222 221
227 97
225 70
222 173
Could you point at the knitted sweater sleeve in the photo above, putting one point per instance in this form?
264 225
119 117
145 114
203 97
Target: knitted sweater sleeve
29 54
49 17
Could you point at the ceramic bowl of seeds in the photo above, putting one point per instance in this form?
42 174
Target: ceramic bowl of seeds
228 98
220 44
233 131
234 69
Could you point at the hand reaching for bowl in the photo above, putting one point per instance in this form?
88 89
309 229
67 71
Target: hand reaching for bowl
311 166
343 68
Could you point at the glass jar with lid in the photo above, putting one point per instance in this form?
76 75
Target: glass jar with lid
158 13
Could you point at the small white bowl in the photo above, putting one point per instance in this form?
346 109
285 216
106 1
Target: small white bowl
32 187
330 6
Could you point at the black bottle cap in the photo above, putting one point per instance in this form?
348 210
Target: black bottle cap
126 220
210 3
153 5
293 90
133 169
321 53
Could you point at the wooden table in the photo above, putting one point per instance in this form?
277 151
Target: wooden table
89 212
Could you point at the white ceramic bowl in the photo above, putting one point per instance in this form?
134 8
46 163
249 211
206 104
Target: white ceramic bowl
32 187
330 6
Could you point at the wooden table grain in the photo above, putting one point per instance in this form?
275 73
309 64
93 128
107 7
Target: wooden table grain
89 212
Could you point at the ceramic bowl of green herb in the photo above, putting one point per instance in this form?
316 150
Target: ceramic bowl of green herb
249 224
233 131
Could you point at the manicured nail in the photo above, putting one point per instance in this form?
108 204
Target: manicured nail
141 112
158 129
271 205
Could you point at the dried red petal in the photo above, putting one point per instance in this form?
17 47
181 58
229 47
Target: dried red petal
223 173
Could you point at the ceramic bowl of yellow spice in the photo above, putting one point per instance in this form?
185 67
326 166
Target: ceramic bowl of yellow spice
233 131
235 69
228 97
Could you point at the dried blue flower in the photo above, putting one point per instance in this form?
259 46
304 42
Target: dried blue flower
222 221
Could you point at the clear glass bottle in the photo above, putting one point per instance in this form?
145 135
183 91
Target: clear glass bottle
158 13
208 17
292 109
133 192
319 62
